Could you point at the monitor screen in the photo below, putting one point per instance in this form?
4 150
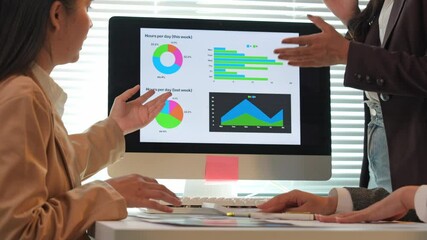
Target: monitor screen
231 97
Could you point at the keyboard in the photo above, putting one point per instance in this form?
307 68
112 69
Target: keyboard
204 205
231 207
237 202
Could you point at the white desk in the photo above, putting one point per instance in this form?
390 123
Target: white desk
134 229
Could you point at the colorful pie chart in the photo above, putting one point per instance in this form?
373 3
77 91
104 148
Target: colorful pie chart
164 49
171 115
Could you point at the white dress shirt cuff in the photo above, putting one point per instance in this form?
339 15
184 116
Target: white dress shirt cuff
420 203
345 203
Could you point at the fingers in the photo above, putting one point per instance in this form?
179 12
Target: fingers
300 56
126 95
299 201
350 217
279 203
160 192
155 106
153 194
300 209
304 55
153 199
158 206
165 95
337 217
158 100
148 179
302 41
129 93
162 98
353 217
144 97
328 219
369 215
271 205
304 63
140 191
319 22
315 50
133 115
308 40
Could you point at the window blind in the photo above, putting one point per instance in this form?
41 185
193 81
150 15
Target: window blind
86 81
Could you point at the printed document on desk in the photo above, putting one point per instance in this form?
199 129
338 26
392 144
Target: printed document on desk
245 222
213 214
206 220
217 209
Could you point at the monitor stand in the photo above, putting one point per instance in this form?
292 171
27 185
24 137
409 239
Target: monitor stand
203 188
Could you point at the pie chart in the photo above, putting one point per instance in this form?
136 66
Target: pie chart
171 115
164 50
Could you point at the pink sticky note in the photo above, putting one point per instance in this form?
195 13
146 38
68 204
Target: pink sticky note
222 168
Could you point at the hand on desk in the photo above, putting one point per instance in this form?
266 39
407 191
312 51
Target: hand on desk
140 191
298 201
393 207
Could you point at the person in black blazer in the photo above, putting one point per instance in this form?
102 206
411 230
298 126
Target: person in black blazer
396 70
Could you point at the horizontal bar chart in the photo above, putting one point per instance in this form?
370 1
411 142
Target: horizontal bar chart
233 65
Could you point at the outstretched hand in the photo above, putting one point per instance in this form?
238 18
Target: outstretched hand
140 191
298 201
316 50
133 115
393 207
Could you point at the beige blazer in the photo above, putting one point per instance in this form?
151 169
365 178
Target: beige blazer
41 168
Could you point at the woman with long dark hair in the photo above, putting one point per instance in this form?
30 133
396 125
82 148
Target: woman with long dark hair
41 165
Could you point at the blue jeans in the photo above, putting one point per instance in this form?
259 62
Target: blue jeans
379 166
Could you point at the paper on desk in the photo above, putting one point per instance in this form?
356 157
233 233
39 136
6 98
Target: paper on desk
206 220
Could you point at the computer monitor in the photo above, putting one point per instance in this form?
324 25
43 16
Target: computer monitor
232 97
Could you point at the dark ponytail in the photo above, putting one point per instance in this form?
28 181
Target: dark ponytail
23 26
359 26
